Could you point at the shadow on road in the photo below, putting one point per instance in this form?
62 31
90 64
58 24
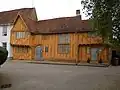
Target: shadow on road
5 81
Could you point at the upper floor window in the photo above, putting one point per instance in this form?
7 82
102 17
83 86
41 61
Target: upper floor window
21 34
64 43
4 32
64 39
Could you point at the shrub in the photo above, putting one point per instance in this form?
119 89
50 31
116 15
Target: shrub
3 55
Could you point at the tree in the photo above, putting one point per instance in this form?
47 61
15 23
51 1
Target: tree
105 19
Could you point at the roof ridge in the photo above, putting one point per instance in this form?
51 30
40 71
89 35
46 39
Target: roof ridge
15 10
57 18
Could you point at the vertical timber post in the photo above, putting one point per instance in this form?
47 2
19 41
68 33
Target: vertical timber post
76 48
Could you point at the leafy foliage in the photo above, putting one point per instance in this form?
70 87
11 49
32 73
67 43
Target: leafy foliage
105 18
3 55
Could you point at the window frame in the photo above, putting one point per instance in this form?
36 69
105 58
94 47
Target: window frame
21 35
4 45
22 49
63 38
46 49
63 48
88 49
4 30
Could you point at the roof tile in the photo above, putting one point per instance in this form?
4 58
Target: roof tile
7 17
61 25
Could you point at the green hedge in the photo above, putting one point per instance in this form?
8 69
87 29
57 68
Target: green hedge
3 55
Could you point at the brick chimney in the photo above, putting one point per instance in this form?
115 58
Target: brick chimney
78 14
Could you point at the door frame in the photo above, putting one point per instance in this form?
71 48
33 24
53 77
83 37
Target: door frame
99 51
99 46
96 54
41 56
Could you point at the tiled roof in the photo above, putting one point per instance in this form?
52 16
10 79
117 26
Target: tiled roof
31 24
56 25
61 25
7 17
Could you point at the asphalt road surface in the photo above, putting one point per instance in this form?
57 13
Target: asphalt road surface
27 76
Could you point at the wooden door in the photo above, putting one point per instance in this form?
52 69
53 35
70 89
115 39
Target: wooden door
38 53
94 54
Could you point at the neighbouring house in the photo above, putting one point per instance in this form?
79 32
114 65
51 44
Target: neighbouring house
6 23
67 39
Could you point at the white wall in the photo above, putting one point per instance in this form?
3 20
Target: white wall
6 39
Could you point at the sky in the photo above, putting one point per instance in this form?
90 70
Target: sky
46 9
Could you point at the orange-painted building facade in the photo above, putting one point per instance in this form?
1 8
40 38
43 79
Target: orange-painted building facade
62 39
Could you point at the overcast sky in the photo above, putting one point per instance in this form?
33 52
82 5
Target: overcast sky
46 9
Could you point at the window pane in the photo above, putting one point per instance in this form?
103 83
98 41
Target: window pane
4 44
59 49
63 38
46 49
63 48
88 50
4 31
67 48
18 34
68 38
21 34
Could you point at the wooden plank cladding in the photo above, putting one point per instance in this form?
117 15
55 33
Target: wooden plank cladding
19 34
84 38
22 53
93 53
68 47
20 38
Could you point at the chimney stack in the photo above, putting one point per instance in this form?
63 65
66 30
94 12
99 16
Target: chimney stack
78 13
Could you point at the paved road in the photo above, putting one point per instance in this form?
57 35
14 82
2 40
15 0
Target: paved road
26 76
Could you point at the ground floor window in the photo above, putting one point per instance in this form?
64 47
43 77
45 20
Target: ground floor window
88 50
63 48
46 48
21 49
4 44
